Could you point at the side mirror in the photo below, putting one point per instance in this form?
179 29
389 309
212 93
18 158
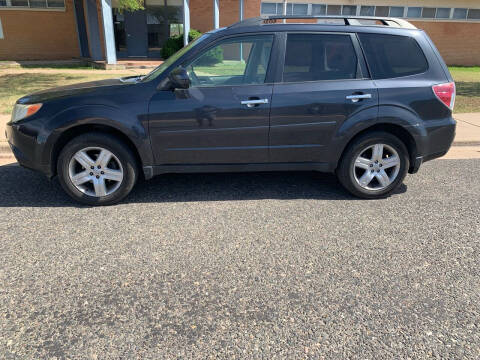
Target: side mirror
179 78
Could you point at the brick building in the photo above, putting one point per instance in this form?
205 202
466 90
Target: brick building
96 29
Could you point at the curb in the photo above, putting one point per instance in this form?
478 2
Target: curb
466 143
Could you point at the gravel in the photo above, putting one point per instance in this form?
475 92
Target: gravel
264 265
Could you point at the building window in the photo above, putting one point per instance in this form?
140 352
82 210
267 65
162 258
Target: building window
349 10
56 3
428 13
22 3
443 13
1 29
319 9
33 4
269 8
38 3
300 9
334 9
473 14
367 10
381 11
397 11
414 12
460 13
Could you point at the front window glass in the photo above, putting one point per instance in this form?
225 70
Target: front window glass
311 57
167 63
236 61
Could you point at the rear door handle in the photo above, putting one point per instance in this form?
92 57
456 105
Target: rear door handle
254 102
357 97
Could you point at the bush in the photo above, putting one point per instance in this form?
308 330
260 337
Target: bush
175 43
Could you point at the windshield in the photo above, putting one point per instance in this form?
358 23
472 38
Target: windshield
160 69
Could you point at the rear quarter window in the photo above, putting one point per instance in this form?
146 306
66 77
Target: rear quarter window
391 56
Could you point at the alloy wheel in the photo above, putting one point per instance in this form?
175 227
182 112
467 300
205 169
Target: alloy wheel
95 171
376 167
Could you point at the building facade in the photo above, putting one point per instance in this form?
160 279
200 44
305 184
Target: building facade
98 30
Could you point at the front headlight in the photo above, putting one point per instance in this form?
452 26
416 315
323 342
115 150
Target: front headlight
22 111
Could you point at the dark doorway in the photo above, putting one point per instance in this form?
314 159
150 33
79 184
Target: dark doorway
143 33
136 30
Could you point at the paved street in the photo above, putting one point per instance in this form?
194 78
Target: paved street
280 265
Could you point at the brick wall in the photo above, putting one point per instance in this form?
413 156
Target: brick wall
201 12
39 35
458 42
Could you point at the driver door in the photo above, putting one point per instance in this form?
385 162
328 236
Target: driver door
223 117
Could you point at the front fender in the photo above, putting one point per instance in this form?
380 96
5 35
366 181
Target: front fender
133 127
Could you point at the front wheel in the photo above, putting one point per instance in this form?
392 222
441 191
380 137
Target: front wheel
97 169
374 165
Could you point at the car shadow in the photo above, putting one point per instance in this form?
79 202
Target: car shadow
22 187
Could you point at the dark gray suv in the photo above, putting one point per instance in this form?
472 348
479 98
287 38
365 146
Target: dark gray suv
367 98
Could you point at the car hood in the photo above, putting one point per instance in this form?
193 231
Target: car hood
74 90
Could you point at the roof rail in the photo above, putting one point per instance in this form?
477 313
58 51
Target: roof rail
348 20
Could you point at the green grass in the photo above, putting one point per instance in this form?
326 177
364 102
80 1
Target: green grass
14 86
226 67
467 80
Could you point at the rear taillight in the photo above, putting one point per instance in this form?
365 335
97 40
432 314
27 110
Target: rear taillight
445 93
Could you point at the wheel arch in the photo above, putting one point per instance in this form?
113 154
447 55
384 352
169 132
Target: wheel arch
78 130
397 130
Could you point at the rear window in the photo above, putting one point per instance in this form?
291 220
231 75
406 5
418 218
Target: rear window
314 57
391 56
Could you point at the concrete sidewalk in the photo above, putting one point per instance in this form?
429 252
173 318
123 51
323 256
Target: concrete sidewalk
468 136
468 129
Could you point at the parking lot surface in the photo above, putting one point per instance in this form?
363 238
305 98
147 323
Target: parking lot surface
267 265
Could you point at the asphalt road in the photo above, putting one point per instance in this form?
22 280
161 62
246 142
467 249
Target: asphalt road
281 265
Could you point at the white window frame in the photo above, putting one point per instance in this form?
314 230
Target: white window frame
358 8
28 8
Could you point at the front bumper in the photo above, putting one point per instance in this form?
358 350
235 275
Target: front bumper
27 147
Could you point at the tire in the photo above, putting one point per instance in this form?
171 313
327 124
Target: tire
94 184
355 175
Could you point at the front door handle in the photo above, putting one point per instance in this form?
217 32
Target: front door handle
254 102
357 97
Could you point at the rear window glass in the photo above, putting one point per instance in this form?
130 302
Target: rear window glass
312 57
391 56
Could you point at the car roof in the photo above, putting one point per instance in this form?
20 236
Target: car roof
386 25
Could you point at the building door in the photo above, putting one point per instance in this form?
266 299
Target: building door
137 35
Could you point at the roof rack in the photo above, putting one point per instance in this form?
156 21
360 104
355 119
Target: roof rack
348 20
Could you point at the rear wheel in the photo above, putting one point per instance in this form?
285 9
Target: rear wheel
97 169
374 165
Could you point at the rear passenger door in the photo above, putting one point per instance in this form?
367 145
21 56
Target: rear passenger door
323 82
